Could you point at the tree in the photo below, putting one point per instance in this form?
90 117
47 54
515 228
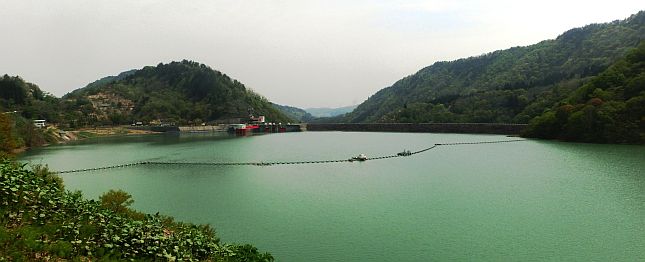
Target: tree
7 140
118 201
13 89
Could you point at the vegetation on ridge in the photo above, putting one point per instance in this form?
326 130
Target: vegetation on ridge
513 85
18 132
27 99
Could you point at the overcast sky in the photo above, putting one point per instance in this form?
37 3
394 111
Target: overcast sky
296 52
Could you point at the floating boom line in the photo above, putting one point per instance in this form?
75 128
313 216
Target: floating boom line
280 162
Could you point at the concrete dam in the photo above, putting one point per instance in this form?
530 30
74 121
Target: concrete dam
466 128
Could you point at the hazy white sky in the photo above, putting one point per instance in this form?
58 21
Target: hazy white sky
295 52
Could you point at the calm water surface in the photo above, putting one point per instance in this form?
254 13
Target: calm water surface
531 200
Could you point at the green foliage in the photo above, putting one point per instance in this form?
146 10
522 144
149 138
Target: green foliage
183 92
7 138
29 134
20 102
513 85
27 99
13 90
117 201
16 132
120 201
40 221
42 171
610 108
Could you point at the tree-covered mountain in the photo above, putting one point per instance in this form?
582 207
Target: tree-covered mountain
329 112
20 103
513 85
27 99
183 92
610 108
294 113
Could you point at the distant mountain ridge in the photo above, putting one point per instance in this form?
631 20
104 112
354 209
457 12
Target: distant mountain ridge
329 112
512 85
108 79
321 114
295 113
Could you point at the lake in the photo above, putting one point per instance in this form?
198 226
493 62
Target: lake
528 200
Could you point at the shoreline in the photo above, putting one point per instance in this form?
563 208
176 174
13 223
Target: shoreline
64 137
86 133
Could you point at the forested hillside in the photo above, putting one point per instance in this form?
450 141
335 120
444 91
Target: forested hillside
27 99
20 102
513 85
610 108
183 92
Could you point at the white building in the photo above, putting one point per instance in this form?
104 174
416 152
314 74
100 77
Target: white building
40 123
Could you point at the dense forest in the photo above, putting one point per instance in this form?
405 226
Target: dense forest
20 102
27 99
513 85
179 93
18 132
183 92
610 108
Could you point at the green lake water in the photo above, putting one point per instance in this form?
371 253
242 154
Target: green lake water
520 201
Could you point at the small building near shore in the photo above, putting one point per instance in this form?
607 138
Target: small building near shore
40 123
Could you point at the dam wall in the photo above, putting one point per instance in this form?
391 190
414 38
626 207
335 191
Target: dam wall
155 128
466 128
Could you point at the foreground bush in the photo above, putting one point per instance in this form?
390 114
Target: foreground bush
41 221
